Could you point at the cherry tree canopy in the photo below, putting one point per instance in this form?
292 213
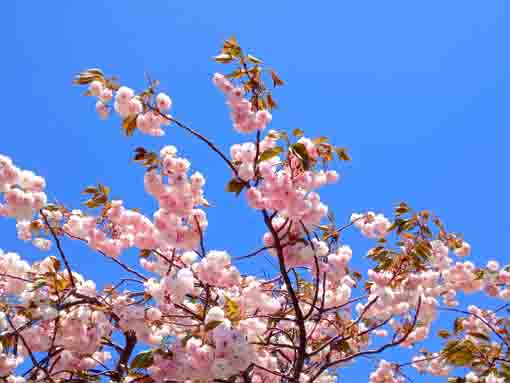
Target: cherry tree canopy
188 314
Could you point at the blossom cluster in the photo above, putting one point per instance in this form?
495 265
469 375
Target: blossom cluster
23 196
80 328
284 188
228 354
178 223
371 225
244 118
128 105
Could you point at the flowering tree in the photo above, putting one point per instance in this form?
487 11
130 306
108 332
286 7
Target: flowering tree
187 314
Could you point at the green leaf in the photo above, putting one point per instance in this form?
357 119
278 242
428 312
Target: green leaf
38 284
457 325
89 75
342 154
84 377
145 253
461 358
142 360
261 103
238 73
89 190
235 186
456 379
231 47
505 371
300 151
232 310
423 252
100 199
342 346
56 263
95 71
444 333
270 153
129 125
139 156
298 132
253 59
479 335
86 78
459 353
91 204
230 43
402 208
223 58
277 81
320 140
271 103
104 189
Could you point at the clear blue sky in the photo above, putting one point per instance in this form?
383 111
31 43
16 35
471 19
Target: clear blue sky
419 92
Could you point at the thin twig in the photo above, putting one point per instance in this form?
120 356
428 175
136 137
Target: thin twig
371 352
121 264
59 247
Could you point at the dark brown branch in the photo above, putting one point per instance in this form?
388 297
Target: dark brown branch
15 277
121 264
59 247
201 137
131 341
341 337
252 254
342 228
271 371
202 245
480 319
300 320
419 360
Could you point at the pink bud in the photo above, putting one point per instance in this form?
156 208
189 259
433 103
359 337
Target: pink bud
164 102
102 110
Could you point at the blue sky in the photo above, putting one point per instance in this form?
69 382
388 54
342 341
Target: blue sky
418 91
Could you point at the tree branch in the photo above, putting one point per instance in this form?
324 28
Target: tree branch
59 247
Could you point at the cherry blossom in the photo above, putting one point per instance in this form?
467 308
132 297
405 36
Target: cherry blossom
186 312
